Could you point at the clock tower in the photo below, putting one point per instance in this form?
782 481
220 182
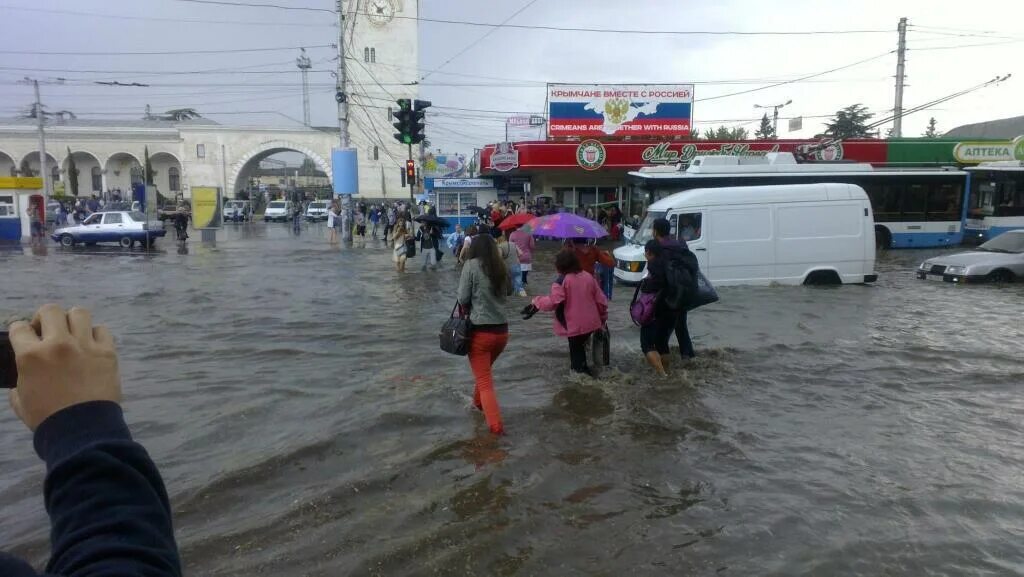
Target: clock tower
382 65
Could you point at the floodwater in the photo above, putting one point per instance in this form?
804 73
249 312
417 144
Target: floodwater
306 423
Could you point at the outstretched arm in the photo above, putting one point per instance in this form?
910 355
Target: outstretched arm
107 503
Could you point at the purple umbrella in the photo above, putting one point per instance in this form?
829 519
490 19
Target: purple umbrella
566 225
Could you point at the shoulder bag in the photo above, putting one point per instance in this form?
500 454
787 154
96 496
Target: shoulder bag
455 333
641 309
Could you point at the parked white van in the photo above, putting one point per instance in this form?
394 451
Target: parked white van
757 235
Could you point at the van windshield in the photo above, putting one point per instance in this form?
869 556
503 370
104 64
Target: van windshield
277 205
646 230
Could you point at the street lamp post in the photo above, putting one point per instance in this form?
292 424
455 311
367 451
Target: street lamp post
775 114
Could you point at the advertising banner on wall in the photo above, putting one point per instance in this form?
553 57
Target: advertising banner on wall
524 127
636 110
444 165
206 203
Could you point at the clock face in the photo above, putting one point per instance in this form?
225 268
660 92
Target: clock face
381 11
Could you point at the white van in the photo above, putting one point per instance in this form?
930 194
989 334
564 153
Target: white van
757 235
317 210
278 210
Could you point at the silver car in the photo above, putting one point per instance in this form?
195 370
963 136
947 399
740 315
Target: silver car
998 260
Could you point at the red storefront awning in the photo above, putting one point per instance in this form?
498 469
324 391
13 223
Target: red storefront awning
620 156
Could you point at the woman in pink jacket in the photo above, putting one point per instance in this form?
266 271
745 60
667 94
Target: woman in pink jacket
524 242
579 304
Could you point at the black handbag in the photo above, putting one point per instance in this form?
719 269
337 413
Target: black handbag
455 333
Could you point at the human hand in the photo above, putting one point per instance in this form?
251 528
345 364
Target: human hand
62 361
528 312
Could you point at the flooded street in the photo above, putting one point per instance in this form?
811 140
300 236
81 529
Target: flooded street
306 423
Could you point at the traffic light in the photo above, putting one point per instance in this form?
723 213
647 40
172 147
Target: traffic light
410 172
418 123
412 121
404 117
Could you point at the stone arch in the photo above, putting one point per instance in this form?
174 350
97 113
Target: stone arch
169 171
85 162
119 168
8 166
246 162
31 161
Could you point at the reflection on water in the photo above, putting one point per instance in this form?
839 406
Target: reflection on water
306 423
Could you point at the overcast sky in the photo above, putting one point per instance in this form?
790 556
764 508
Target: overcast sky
507 70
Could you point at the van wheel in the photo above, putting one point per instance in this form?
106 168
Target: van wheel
67 240
126 242
1000 276
823 277
883 238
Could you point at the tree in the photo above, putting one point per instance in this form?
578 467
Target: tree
179 114
931 131
850 122
150 173
766 130
726 133
72 173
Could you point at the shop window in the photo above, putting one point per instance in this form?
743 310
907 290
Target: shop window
97 179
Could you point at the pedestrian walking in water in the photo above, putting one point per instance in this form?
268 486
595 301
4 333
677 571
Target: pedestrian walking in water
374 220
401 236
360 224
579 305
525 243
470 235
483 289
428 236
390 218
510 253
181 224
455 240
680 279
333 221
589 254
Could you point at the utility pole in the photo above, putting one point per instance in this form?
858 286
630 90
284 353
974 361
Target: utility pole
40 119
343 139
901 54
775 114
304 64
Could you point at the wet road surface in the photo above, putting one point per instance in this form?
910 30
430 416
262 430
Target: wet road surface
306 423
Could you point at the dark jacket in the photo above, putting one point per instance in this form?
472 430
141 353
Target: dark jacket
672 250
108 508
430 239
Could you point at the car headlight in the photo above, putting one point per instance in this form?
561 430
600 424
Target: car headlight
925 265
956 270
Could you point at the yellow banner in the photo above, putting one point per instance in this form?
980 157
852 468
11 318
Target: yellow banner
206 211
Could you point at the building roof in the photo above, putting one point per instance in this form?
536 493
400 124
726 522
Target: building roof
109 123
1004 128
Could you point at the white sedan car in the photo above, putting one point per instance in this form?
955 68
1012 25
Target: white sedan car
124 227
998 260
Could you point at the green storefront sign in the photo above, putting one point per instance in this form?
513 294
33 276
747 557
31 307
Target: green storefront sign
932 151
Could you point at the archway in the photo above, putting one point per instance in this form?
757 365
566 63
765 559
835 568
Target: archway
90 179
242 172
167 175
123 168
29 166
7 165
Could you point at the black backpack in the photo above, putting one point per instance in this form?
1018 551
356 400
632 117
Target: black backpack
680 280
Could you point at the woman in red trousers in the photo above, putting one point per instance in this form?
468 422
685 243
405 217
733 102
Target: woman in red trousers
483 288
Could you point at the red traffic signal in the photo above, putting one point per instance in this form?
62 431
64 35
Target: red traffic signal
410 171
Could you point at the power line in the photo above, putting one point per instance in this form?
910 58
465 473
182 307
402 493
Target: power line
640 31
163 19
851 65
256 5
480 39
173 52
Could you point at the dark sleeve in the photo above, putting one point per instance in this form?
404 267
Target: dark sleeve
108 507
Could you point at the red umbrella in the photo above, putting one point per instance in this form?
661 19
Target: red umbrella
515 220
